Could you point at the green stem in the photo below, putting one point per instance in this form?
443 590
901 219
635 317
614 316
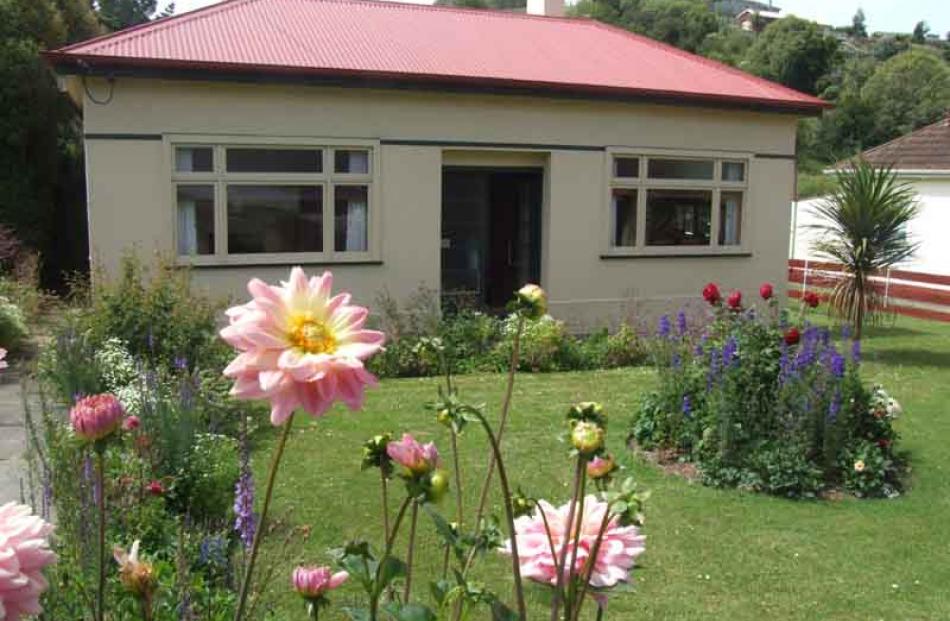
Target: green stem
591 562
576 534
374 599
313 611
559 585
147 607
600 613
407 590
262 523
503 420
458 479
384 487
509 514
101 503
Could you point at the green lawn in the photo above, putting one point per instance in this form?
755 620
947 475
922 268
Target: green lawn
711 554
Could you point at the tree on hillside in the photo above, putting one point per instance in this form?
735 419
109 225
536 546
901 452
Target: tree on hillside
858 28
920 32
794 52
119 14
729 45
41 180
683 23
905 92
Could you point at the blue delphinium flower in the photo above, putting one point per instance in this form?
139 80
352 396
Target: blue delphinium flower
730 353
834 408
856 352
783 364
681 325
687 406
845 332
181 363
664 328
245 523
698 350
715 362
836 364
676 362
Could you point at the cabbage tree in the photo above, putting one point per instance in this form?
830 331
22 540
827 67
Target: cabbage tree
863 226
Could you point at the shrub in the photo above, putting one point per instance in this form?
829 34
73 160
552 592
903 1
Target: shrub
13 330
159 318
204 486
761 404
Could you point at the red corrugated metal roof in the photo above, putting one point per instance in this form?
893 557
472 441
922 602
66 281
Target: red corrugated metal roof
426 43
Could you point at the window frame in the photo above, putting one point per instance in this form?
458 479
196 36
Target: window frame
220 179
643 184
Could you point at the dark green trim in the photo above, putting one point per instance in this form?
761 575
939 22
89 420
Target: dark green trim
775 156
66 64
673 255
490 145
239 266
95 136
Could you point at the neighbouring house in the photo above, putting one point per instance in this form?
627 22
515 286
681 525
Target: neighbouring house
468 151
753 20
921 159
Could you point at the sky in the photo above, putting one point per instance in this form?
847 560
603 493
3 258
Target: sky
882 15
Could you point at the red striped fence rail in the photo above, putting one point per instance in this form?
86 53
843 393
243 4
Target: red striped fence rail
914 294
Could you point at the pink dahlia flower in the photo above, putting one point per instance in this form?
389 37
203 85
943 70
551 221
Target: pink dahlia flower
314 582
96 417
416 458
24 553
620 546
300 347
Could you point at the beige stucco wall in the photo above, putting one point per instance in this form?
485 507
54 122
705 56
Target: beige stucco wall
130 194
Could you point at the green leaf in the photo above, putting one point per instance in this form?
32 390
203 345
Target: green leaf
356 614
409 612
390 569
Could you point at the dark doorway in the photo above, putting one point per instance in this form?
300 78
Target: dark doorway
491 233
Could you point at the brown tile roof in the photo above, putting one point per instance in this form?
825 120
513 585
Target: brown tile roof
927 148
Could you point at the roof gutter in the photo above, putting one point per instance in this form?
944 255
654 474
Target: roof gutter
109 66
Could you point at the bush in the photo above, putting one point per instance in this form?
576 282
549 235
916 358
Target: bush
204 486
761 404
159 318
13 330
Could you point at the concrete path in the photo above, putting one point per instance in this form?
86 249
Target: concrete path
12 437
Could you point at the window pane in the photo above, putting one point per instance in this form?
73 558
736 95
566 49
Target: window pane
352 162
275 160
194 159
628 167
352 213
195 219
733 171
680 169
678 217
624 207
275 218
730 218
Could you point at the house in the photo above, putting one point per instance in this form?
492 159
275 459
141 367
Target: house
922 160
752 20
468 151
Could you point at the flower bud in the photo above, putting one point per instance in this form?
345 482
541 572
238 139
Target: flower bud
97 417
137 575
601 467
131 423
438 486
587 438
313 583
417 459
375 454
443 417
521 504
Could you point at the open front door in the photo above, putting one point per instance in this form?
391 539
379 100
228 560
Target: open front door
491 232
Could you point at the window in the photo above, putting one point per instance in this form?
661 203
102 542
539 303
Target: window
624 207
659 202
263 201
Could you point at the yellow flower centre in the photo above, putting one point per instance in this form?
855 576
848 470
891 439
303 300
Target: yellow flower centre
311 335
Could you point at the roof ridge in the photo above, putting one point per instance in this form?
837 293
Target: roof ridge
405 4
162 23
701 59
944 120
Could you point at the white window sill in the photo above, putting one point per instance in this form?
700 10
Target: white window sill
668 252
237 261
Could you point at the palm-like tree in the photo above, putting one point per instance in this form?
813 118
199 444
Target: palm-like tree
863 227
